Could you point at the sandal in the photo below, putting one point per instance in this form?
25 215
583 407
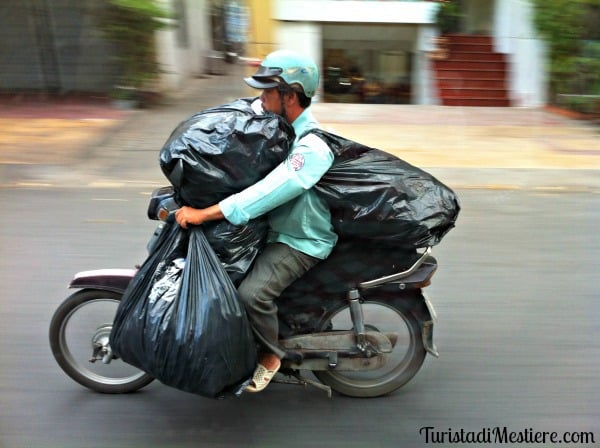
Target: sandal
262 377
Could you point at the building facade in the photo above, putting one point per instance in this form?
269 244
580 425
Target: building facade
369 51
389 43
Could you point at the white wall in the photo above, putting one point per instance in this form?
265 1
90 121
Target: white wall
353 11
180 63
303 37
199 34
423 85
515 35
300 21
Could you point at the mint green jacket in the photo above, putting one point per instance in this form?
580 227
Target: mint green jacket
297 216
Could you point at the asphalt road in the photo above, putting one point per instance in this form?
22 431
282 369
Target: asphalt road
516 295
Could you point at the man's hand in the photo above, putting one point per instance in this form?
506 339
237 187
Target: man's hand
188 216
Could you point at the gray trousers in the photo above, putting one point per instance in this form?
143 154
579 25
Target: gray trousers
277 266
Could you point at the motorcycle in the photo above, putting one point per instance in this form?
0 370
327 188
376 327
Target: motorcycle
359 321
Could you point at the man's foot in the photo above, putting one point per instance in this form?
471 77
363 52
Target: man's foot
268 365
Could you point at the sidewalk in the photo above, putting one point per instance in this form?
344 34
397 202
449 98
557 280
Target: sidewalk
91 143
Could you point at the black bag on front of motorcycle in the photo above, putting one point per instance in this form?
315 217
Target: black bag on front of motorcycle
374 195
218 152
222 150
181 321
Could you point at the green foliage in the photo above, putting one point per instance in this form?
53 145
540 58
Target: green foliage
448 16
131 25
587 79
586 104
574 61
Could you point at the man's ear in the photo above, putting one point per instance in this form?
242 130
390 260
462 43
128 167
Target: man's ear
292 97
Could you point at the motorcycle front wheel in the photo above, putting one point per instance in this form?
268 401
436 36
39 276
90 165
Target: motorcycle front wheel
79 334
402 364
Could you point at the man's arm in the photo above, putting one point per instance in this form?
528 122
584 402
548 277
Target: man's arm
302 169
195 216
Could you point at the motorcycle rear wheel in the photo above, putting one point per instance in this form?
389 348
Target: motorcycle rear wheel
79 332
403 363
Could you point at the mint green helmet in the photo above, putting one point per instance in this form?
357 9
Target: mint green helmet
289 67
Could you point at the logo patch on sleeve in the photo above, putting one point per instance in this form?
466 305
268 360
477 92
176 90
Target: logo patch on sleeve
297 161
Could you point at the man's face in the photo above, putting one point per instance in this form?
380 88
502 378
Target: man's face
271 101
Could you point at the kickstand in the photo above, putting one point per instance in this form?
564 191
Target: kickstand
301 381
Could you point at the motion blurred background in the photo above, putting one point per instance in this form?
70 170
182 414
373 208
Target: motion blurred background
495 53
499 99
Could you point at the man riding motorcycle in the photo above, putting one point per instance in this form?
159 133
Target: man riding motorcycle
300 229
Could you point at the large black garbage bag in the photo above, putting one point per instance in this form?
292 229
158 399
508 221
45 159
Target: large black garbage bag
222 150
180 319
301 305
219 152
376 196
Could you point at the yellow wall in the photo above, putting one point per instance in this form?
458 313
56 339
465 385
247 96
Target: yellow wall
261 27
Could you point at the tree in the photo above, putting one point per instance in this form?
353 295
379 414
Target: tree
131 26
572 35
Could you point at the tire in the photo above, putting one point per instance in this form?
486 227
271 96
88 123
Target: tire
83 321
403 363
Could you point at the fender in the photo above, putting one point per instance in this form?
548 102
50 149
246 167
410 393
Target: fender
424 311
428 327
115 280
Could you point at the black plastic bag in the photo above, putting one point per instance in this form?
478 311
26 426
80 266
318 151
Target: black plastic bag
237 246
301 306
218 152
222 150
376 196
181 321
